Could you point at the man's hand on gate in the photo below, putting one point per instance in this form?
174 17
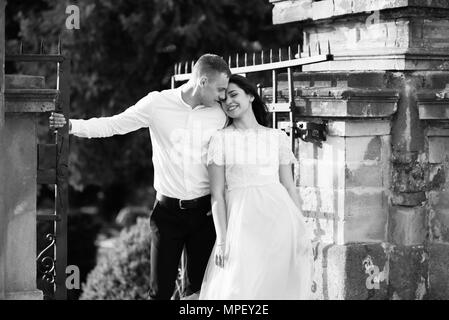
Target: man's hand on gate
57 120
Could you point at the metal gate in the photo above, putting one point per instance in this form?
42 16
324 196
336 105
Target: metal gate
280 99
52 169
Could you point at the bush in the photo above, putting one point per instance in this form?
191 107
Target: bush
122 273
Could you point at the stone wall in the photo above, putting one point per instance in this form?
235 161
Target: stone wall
375 193
2 119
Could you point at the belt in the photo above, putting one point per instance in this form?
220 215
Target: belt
196 203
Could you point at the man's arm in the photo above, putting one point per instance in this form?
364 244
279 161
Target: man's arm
133 118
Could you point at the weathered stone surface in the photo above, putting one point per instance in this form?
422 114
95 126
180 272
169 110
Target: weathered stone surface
438 149
25 295
3 219
30 100
334 8
15 81
359 128
409 177
20 206
408 273
289 11
408 199
337 102
365 215
367 271
407 225
438 271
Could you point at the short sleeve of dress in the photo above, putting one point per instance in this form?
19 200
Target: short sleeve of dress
286 155
215 152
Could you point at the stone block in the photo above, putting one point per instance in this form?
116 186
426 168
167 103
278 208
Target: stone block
369 271
438 149
365 215
363 149
409 177
322 9
321 173
321 200
439 271
407 226
25 295
408 199
439 224
333 149
359 128
349 272
15 81
290 11
408 273
21 172
359 174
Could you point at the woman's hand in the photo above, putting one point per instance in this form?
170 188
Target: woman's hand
220 255
57 120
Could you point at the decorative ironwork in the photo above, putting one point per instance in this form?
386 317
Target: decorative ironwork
52 260
46 264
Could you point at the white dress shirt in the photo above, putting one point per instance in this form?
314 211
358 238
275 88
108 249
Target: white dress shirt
179 134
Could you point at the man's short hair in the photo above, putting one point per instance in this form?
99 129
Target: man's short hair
210 64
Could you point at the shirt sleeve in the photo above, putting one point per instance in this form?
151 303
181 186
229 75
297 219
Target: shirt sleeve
215 152
286 155
133 118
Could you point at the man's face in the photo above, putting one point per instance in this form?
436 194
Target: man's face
214 89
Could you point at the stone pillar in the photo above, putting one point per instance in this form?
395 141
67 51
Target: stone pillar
376 188
2 123
25 96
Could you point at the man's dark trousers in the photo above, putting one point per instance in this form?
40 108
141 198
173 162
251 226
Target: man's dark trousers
173 228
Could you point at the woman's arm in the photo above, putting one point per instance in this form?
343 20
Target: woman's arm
286 178
217 187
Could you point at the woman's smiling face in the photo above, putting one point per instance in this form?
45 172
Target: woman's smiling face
237 101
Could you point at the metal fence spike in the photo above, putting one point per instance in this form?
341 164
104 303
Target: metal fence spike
186 66
271 55
299 51
246 59
289 53
254 58
237 60
261 58
310 51
319 48
41 47
59 46
192 64
179 68
229 61
328 47
175 68
280 54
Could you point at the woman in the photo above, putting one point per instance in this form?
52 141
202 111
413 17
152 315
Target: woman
263 248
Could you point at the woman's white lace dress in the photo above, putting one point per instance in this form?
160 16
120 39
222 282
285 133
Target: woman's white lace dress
268 247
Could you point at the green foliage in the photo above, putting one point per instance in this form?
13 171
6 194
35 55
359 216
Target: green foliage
125 49
122 273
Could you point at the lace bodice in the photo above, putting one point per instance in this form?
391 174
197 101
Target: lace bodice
251 157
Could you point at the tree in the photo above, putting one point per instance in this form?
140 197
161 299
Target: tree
127 48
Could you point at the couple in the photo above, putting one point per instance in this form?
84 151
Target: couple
225 190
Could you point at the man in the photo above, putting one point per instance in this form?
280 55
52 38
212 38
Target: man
181 122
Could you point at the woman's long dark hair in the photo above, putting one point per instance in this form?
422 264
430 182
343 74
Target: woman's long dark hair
259 107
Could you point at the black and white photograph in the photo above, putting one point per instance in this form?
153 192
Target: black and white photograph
225 154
